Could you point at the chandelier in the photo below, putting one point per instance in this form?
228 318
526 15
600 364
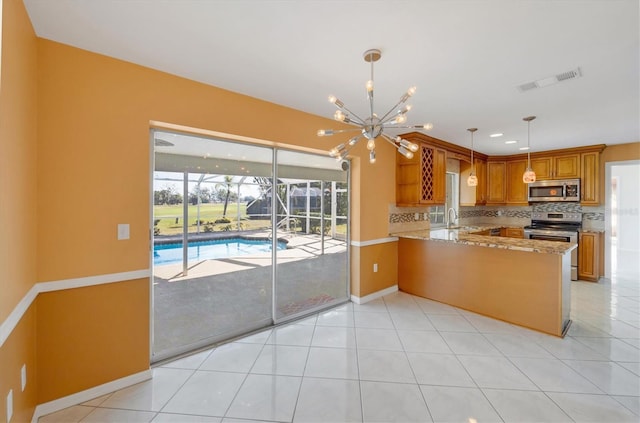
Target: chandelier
373 126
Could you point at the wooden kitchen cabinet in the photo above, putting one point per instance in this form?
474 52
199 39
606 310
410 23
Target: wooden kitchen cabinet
590 178
421 180
512 232
564 166
496 182
517 192
589 256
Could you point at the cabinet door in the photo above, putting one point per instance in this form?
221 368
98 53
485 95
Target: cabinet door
543 167
440 176
516 189
590 178
566 166
589 256
496 187
513 232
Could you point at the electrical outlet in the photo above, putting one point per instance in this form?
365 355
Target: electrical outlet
23 375
375 267
9 405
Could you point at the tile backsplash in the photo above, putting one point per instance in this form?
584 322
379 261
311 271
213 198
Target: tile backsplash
417 218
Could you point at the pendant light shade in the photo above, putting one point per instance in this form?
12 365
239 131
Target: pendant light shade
472 180
529 175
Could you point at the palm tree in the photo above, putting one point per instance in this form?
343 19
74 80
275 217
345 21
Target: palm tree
225 187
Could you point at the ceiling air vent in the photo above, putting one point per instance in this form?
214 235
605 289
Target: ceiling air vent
545 82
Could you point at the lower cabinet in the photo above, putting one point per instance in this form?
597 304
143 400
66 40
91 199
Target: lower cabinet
589 256
512 232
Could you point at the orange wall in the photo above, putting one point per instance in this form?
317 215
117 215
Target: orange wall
94 114
90 336
18 200
18 156
19 349
93 120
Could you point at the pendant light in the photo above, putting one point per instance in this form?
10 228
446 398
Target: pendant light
529 175
472 180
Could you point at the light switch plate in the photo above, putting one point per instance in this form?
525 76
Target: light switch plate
123 231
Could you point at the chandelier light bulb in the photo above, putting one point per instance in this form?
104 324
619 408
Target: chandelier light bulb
369 86
427 126
371 144
325 132
413 147
332 99
339 116
372 157
408 154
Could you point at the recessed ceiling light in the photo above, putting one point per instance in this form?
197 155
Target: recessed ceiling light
511 142
523 148
496 135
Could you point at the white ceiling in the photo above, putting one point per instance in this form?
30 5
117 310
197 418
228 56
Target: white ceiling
465 56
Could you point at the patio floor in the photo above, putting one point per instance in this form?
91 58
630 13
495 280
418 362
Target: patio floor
223 298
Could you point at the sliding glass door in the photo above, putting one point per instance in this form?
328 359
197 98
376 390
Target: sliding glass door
312 218
212 258
223 214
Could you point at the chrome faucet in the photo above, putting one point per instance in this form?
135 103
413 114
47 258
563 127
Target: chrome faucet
450 222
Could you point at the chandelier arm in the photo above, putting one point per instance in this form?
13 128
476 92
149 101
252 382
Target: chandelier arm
390 140
386 118
340 131
354 117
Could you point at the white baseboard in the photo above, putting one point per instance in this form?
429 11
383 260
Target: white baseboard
375 295
89 394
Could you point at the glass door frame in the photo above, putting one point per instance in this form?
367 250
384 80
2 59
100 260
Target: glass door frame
155 357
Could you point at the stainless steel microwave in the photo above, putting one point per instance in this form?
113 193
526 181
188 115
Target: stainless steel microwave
554 190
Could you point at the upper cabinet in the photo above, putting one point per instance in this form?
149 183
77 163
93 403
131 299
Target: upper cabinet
565 166
496 182
590 178
421 180
516 188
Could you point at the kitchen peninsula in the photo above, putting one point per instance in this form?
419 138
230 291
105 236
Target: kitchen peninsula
520 281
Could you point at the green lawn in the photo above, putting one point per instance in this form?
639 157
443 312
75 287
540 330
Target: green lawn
170 220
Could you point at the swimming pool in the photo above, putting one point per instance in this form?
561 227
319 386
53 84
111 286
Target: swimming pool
212 249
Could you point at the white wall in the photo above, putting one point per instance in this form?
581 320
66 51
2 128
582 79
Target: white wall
623 252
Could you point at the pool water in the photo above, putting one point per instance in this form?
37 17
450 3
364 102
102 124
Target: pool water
212 249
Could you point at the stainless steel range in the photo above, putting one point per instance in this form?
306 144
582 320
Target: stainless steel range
553 226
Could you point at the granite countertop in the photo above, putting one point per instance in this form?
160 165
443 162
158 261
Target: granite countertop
464 235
